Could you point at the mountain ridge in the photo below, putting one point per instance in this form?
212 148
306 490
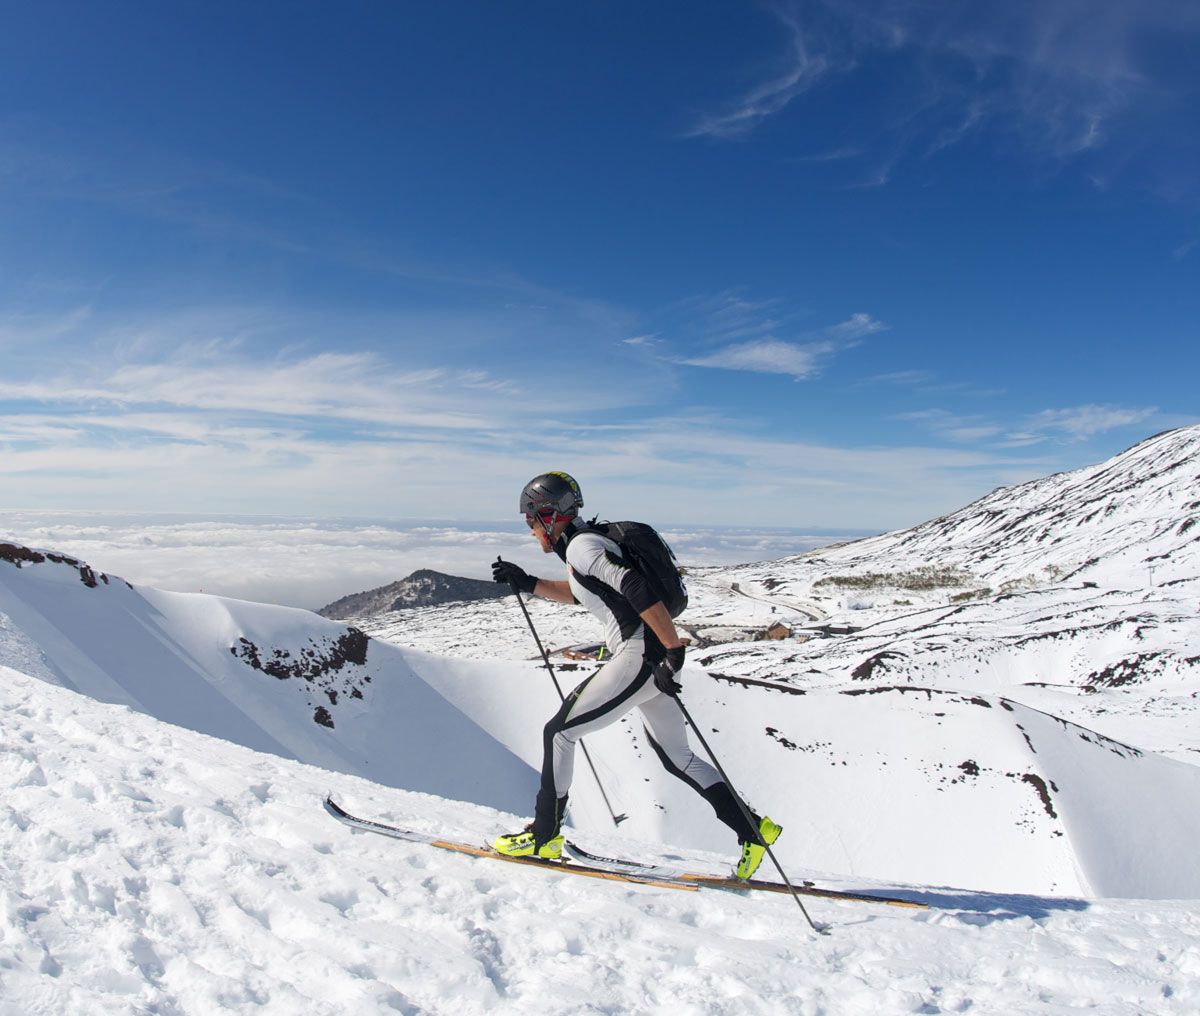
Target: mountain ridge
422 588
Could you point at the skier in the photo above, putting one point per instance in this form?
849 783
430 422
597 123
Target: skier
642 672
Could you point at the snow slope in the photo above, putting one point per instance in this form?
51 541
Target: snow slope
916 748
1076 594
275 679
872 732
900 783
145 868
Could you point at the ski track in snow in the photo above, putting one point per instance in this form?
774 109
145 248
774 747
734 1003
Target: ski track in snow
149 869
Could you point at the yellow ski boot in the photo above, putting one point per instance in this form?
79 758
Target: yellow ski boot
752 853
523 844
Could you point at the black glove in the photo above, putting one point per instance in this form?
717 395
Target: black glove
513 575
664 673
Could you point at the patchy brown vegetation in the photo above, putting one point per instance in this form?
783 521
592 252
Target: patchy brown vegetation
917 579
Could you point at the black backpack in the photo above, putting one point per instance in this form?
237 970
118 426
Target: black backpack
649 554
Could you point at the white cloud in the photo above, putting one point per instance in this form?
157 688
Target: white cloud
356 386
730 316
857 326
1077 423
1063 79
683 468
801 68
903 377
1185 248
767 357
1081 422
214 428
310 562
966 429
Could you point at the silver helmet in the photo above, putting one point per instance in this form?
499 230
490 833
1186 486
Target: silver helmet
551 491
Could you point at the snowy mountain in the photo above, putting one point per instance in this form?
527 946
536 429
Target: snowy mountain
150 869
1132 522
423 588
274 679
1012 739
948 645
1077 592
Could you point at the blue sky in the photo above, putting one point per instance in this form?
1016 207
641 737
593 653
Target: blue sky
844 265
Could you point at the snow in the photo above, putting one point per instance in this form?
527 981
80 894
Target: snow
179 656
145 868
995 713
910 784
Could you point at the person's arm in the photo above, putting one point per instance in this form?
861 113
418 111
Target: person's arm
658 620
507 573
552 589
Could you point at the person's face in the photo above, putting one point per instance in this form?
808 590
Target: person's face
537 526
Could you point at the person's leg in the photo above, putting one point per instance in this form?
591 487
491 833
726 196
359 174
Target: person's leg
620 685
667 734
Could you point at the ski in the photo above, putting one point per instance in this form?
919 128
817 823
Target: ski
566 867
728 883
582 862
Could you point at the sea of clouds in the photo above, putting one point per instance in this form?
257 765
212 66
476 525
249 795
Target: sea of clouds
309 562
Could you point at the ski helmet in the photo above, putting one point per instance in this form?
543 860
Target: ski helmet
551 491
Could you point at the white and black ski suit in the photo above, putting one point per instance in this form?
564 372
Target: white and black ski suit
616 593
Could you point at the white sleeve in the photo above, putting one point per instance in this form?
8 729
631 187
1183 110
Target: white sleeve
592 556
596 559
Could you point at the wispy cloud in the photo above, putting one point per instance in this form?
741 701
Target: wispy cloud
1185 248
359 387
902 377
855 327
829 155
1081 422
964 428
767 357
219 428
802 65
1057 79
234 410
771 355
1077 423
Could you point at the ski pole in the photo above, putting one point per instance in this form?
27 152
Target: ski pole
820 929
617 819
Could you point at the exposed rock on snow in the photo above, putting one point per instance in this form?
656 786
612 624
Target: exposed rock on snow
319 663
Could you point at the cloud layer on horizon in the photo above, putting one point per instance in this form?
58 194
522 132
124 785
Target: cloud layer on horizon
311 562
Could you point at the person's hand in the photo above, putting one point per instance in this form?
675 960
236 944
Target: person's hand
664 673
513 575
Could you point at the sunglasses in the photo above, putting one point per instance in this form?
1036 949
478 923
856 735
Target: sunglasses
545 519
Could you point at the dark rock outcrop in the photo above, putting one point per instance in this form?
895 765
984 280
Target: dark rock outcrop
15 554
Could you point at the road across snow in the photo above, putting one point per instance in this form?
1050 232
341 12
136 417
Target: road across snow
149 869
